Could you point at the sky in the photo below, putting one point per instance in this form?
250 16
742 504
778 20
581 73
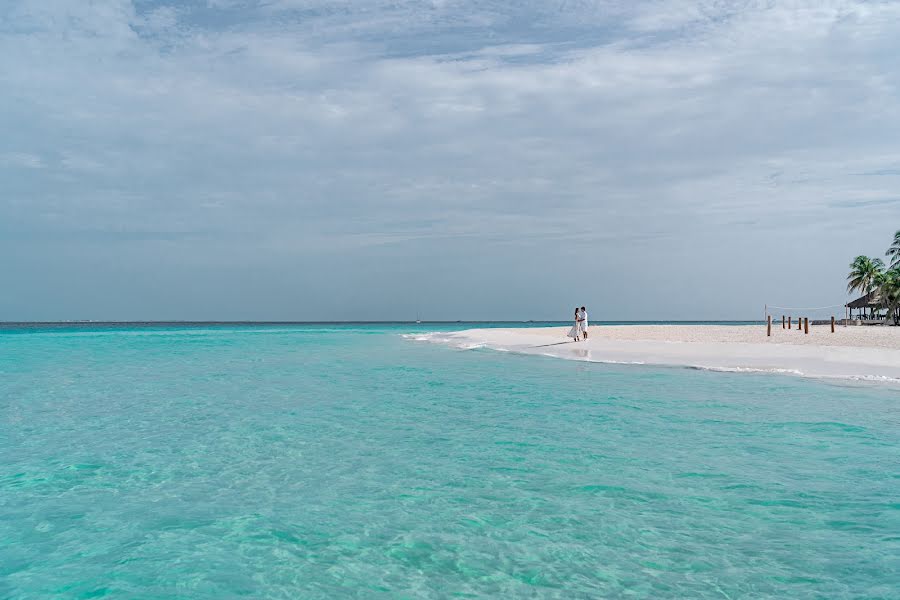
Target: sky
451 159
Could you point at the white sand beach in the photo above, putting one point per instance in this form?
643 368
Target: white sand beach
851 353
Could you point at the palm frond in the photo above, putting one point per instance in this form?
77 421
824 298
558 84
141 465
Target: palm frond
894 251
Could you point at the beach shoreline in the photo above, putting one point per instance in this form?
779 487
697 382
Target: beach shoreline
850 353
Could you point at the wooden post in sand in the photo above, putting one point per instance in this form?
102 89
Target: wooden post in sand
789 322
782 322
832 323
805 324
769 327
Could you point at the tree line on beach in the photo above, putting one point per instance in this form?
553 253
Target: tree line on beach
869 274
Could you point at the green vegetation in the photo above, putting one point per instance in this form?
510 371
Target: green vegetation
870 275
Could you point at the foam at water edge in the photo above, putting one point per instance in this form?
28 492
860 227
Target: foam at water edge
429 336
618 362
797 372
746 370
449 338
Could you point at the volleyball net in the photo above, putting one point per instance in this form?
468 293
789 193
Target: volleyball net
817 315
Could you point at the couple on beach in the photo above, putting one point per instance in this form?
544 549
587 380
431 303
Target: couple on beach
579 330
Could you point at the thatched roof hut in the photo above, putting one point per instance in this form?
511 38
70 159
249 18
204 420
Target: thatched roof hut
867 307
870 300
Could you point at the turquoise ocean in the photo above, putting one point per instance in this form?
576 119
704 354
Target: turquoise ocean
349 461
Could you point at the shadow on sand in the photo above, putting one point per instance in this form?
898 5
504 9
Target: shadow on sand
555 344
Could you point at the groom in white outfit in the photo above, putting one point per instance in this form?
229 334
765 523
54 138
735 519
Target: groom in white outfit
584 322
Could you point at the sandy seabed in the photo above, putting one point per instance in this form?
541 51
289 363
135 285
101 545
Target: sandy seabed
850 353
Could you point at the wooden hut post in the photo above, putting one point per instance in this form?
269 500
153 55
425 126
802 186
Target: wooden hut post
782 322
805 324
769 326
832 323
789 322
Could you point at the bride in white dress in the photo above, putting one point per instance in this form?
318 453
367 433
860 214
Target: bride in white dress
576 328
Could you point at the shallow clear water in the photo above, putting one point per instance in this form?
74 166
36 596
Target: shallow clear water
329 461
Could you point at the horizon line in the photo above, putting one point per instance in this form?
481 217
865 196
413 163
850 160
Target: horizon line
352 322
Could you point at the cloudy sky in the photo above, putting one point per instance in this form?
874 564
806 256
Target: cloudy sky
467 159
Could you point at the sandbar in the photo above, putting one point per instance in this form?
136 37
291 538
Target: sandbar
850 353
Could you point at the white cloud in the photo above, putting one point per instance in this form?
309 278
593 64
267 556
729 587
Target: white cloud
22 160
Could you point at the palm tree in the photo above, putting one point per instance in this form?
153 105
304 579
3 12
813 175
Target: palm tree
893 252
888 284
863 273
